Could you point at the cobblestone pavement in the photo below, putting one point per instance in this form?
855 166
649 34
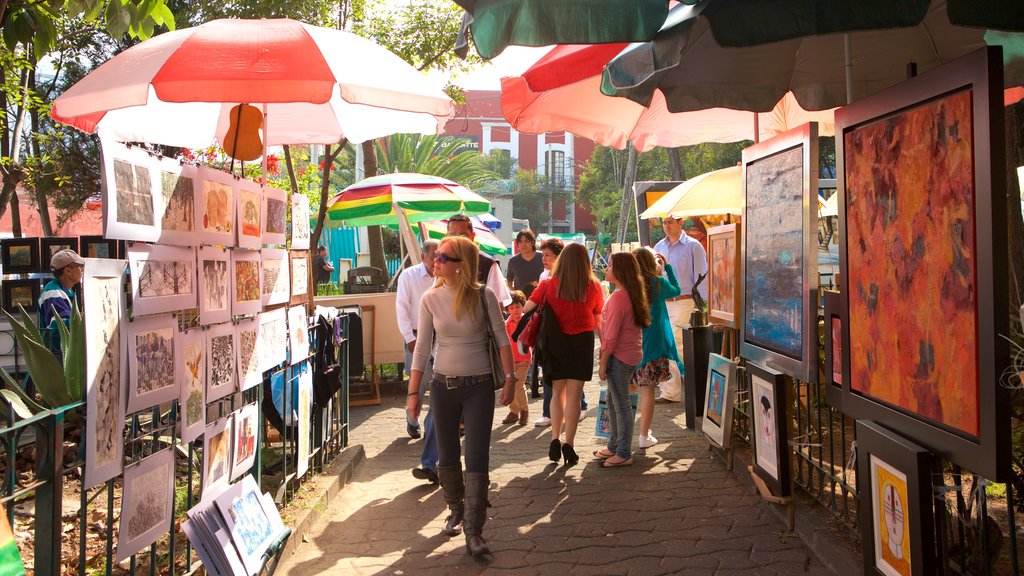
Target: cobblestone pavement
677 510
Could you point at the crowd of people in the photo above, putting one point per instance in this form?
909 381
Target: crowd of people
449 306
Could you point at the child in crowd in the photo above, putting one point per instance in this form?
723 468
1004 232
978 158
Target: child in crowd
519 408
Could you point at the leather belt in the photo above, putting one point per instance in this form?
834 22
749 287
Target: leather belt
453 382
684 297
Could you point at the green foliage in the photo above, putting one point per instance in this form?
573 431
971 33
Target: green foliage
443 156
533 197
421 32
58 384
501 163
39 23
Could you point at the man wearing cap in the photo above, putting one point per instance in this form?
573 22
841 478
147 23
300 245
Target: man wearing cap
689 260
58 297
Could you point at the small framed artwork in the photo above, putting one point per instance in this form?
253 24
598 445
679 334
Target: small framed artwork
50 245
298 333
779 289
273 339
163 278
147 504
97 247
275 216
191 358
247 429
276 283
304 409
896 512
220 361
130 193
299 261
177 203
724 258
216 456
718 400
105 368
215 209
20 255
247 347
23 292
300 222
251 528
770 427
246 297
151 363
833 346
249 204
214 285
923 252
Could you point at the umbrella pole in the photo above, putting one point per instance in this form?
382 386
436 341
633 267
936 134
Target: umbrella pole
263 161
848 57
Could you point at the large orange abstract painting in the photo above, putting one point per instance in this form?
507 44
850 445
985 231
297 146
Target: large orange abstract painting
913 300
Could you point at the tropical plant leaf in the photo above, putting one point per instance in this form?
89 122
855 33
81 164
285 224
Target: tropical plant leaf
15 389
46 372
74 355
30 324
19 407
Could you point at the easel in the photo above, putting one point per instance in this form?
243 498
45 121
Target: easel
370 397
730 348
767 496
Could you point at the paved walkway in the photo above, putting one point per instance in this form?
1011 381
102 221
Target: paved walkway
676 511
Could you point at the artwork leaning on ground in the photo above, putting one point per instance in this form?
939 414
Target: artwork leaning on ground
770 427
723 275
718 400
147 503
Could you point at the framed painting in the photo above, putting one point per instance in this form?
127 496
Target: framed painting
246 297
304 408
50 245
275 216
105 368
832 343
251 529
922 258
780 254
273 339
163 278
769 427
719 397
216 456
298 334
247 432
299 273
191 357
97 247
220 361
724 258
177 203
147 503
21 292
249 205
215 208
276 283
130 193
151 363
300 222
247 347
20 256
214 285
896 512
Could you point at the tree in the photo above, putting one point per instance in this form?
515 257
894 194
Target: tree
445 156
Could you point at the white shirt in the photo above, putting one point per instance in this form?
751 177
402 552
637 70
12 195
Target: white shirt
544 276
497 284
412 284
688 259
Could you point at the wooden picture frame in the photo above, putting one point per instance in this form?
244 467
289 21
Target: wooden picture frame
275 276
249 209
50 245
246 282
832 344
152 365
725 257
147 506
130 192
299 274
215 207
274 216
163 278
719 398
940 297
20 255
23 291
177 202
98 247
779 325
769 427
896 508
213 275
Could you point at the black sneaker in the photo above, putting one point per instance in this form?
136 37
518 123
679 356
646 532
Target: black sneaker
425 474
414 431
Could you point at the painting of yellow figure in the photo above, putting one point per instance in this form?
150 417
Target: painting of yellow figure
892 531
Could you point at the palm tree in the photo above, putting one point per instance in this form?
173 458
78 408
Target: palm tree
445 156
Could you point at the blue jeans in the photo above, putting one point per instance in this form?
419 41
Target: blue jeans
428 375
620 412
428 460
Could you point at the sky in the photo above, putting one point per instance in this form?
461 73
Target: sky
512 62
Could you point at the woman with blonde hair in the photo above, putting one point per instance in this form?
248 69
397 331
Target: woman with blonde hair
659 345
461 389
576 300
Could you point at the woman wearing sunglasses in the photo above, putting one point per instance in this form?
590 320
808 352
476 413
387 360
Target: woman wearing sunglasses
462 388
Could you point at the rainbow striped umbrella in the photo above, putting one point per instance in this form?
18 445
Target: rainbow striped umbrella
371 201
485 239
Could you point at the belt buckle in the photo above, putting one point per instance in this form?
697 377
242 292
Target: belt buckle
451 382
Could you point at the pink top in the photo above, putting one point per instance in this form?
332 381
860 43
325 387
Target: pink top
622 337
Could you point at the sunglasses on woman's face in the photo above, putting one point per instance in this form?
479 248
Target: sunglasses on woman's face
444 258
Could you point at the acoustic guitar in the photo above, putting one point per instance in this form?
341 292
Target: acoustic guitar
242 141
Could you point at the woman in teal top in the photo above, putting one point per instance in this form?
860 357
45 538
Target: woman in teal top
659 345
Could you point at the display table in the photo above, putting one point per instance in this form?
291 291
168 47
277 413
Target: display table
698 342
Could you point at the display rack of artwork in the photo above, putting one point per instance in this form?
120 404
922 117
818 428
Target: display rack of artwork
177 202
163 278
151 364
922 214
98 247
896 510
147 503
249 204
50 245
769 427
215 207
20 255
833 346
22 292
780 271
724 261
130 193
719 397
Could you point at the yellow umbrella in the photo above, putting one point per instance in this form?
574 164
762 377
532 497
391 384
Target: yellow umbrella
717 192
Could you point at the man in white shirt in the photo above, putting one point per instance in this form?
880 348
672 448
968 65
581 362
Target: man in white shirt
412 283
689 260
488 271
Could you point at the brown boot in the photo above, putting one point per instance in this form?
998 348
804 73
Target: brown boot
454 489
476 513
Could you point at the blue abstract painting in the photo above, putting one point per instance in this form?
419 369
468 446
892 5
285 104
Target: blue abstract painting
773 314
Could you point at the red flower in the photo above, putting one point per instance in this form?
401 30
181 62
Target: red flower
273 165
